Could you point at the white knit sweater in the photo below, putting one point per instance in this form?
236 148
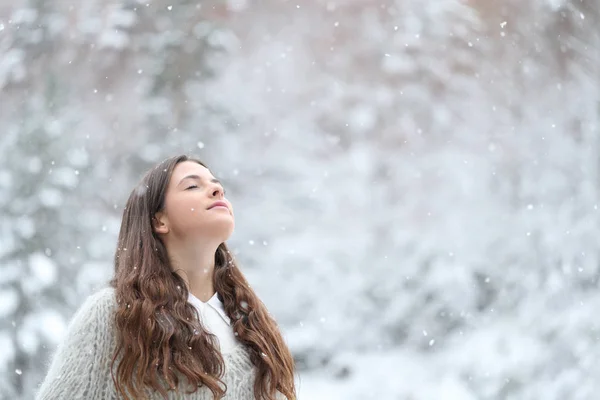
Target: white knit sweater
80 368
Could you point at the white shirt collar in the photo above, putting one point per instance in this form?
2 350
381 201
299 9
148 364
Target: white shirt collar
214 303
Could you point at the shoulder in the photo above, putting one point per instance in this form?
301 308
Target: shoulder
98 306
103 297
81 364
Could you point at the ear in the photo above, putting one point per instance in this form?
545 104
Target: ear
160 223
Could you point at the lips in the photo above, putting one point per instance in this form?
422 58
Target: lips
218 204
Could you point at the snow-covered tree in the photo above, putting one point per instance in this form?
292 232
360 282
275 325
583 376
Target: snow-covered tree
416 184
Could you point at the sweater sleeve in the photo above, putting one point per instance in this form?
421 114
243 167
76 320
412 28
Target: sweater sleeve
80 367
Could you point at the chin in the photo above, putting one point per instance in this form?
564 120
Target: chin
223 230
217 229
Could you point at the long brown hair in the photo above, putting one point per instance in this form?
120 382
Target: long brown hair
159 338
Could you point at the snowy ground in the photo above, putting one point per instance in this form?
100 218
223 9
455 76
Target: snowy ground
392 375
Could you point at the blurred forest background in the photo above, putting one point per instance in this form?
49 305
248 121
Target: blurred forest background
416 183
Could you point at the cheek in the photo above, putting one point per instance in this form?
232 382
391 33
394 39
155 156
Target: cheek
184 213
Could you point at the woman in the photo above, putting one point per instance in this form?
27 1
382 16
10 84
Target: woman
179 319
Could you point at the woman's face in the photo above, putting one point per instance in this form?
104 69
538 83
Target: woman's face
195 206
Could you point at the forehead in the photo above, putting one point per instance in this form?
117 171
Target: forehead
186 168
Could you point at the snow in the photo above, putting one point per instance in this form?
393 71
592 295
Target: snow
415 185
43 269
394 374
51 325
9 303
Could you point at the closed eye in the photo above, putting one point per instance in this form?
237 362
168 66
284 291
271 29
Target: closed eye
196 186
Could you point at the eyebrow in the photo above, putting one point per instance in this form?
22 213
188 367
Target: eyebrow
198 177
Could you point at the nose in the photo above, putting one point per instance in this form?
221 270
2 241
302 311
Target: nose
217 191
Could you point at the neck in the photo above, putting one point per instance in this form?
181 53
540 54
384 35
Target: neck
196 265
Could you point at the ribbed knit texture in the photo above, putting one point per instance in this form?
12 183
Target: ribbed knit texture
80 368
